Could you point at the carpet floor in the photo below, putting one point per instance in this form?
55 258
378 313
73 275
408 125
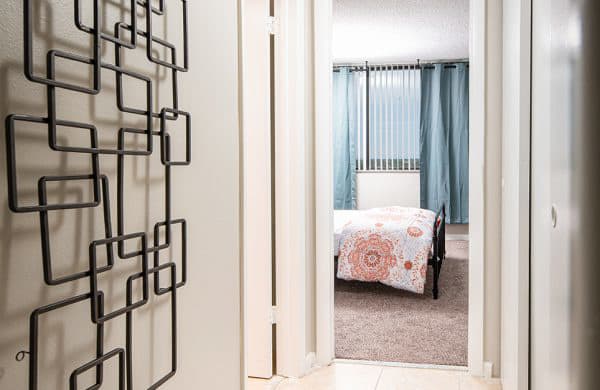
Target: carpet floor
379 323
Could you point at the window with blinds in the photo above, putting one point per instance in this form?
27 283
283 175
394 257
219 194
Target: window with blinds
388 118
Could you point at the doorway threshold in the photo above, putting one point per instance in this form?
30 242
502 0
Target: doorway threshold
399 364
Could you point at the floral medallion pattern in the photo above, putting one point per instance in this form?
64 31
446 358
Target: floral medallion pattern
389 245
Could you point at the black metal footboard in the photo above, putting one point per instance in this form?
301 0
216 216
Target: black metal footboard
439 248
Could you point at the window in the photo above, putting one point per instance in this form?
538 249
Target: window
388 117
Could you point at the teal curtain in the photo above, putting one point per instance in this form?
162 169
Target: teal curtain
344 137
445 140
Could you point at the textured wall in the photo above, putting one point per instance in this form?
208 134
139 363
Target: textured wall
206 193
400 30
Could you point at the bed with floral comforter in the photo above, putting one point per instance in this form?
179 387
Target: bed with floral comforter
391 245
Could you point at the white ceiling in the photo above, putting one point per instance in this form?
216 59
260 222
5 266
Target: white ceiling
400 30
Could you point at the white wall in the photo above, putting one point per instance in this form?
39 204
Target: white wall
382 189
209 305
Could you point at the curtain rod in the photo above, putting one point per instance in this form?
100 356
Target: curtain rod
415 64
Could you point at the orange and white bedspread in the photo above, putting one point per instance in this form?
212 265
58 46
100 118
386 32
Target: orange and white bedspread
389 245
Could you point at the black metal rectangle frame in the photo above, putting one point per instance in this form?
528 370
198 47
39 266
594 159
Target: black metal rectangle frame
162 42
28 51
119 72
97 317
11 164
34 329
114 39
45 237
150 40
157 289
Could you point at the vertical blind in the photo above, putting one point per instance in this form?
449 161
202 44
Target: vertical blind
388 117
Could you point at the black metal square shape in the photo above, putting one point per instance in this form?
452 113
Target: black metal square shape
149 40
97 316
119 72
53 136
13 196
129 326
165 153
45 234
94 61
90 30
157 289
98 362
34 336
162 42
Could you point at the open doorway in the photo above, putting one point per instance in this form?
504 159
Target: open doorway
298 54
400 104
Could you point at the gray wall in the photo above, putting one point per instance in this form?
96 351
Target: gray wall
206 193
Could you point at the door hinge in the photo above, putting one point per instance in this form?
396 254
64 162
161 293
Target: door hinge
273 315
272 25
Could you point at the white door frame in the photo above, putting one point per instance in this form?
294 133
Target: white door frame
324 183
256 137
516 143
292 123
324 188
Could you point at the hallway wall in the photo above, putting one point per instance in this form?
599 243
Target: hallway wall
205 193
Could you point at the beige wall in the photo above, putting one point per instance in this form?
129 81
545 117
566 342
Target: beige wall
493 184
205 193
311 336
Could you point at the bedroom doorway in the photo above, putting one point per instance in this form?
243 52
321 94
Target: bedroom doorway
408 240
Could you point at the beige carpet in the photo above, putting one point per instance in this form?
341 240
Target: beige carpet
380 323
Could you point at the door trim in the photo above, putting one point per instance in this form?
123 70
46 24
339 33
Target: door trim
323 19
324 188
516 156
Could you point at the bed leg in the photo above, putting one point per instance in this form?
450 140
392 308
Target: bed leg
436 276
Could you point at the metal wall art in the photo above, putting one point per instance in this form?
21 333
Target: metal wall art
125 37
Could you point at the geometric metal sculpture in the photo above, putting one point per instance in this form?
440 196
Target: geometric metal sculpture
126 36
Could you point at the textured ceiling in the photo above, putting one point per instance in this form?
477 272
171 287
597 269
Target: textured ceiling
400 30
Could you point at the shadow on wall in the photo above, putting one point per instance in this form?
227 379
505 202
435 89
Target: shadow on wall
67 336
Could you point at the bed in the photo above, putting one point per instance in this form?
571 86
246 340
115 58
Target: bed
391 245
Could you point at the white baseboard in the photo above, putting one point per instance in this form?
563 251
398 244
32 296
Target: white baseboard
310 363
457 237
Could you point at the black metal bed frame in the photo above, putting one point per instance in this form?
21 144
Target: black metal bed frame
439 248
100 196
